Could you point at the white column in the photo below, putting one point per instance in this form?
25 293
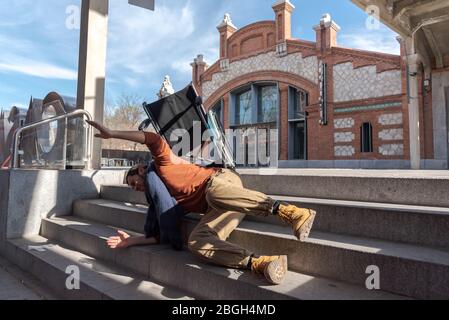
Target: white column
413 62
92 64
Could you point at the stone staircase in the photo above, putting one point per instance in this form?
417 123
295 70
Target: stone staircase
408 243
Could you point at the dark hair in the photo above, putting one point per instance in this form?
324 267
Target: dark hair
134 170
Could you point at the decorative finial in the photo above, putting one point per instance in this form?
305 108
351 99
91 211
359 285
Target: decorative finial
326 18
278 2
227 21
166 88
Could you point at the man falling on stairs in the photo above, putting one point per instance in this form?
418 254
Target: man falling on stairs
219 195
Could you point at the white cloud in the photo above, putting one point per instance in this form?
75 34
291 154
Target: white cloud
145 45
131 82
27 47
20 64
206 45
18 13
182 66
136 36
19 105
381 40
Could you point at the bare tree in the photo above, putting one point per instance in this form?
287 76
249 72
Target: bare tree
126 113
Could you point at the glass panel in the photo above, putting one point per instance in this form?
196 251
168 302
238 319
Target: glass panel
217 109
44 146
76 143
46 134
243 108
300 103
298 140
224 149
268 102
263 146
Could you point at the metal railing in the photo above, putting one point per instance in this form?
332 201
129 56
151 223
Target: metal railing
15 151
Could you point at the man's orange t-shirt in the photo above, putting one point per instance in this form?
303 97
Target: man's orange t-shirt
186 182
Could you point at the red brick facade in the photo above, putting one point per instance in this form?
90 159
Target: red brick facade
274 37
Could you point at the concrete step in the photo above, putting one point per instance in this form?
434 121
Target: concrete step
421 188
122 193
98 279
340 257
393 222
409 187
186 272
17 284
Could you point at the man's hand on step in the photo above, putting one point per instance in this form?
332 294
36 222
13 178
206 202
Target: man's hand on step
119 242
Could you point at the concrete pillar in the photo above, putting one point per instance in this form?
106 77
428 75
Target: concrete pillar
92 64
413 63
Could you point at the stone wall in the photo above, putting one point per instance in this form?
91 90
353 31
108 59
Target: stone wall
391 149
344 137
341 123
364 83
390 119
391 134
391 139
293 63
344 151
31 195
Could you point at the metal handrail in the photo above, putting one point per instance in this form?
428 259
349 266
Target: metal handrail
15 159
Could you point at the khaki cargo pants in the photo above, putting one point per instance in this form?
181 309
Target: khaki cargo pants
229 202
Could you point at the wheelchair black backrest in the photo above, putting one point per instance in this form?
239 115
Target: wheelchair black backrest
179 111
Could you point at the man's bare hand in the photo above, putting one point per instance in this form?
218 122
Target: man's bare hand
105 133
119 242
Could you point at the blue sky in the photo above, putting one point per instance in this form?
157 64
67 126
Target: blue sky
39 54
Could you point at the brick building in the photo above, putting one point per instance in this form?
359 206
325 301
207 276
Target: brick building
331 106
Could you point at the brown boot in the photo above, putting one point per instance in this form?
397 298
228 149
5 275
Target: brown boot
300 219
273 268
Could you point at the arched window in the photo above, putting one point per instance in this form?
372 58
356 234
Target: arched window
243 107
218 110
253 112
366 137
298 101
267 104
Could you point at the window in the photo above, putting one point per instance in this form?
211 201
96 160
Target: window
299 134
267 104
366 137
243 112
218 110
254 111
298 101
